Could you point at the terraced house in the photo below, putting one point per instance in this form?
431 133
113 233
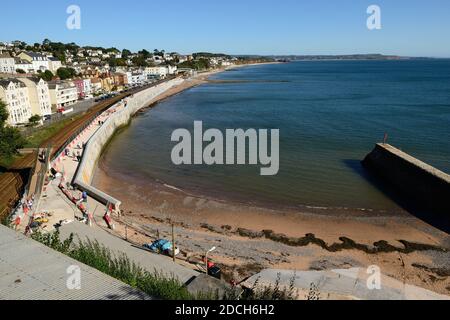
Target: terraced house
15 94
62 94
6 63
39 95
39 61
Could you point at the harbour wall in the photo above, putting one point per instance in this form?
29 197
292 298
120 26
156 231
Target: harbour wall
93 149
425 185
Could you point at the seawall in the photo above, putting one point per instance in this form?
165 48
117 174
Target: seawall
83 177
427 186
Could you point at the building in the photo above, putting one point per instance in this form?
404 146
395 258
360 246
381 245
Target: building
62 93
79 84
120 79
7 64
54 64
39 61
87 88
172 69
24 65
39 96
96 85
15 94
160 72
136 78
107 82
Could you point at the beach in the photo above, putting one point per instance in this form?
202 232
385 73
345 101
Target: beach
251 237
200 223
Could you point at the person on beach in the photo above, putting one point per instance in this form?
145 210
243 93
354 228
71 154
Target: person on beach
84 196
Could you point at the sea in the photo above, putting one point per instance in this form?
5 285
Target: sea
330 115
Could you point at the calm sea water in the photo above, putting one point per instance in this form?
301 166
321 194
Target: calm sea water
329 114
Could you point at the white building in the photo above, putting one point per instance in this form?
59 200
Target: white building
87 87
62 93
136 78
15 94
39 61
39 96
23 65
172 69
157 71
7 64
226 63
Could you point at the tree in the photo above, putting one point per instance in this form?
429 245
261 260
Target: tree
144 53
113 62
47 75
4 114
20 71
10 138
66 73
140 61
126 53
34 120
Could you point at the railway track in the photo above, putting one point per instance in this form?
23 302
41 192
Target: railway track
14 180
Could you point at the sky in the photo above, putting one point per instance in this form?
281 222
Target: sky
265 27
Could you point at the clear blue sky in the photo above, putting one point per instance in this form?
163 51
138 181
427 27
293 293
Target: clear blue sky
409 27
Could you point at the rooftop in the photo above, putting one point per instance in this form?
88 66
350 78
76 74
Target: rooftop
35 54
31 271
4 55
4 82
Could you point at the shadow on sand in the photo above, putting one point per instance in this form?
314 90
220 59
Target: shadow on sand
437 220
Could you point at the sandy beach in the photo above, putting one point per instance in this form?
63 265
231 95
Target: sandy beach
250 238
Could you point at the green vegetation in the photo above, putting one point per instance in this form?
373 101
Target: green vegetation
120 267
66 73
126 53
270 292
140 61
113 62
10 138
21 71
42 134
198 55
200 64
47 75
154 283
34 120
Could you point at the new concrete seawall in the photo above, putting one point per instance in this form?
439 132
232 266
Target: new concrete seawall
422 183
97 142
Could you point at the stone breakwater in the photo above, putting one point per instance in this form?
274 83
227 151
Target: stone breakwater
423 184
93 149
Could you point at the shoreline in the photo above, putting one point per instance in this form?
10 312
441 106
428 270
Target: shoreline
295 240
150 209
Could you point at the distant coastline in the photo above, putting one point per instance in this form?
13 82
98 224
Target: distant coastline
345 57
